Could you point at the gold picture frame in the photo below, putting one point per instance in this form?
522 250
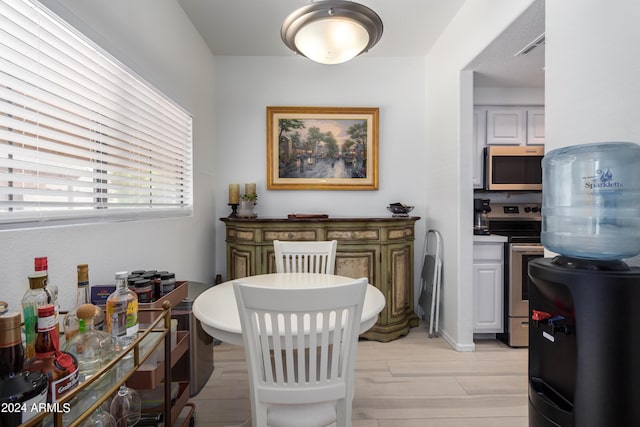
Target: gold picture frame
322 148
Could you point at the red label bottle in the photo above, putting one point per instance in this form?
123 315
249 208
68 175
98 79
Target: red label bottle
61 368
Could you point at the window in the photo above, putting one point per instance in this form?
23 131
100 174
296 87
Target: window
82 138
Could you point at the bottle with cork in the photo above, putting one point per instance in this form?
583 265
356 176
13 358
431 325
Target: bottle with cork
92 348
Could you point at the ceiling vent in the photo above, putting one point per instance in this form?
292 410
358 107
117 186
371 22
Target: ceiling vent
538 41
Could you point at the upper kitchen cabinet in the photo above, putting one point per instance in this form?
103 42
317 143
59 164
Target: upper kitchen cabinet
506 126
515 126
535 126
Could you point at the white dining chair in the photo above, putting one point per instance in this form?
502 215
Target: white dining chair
305 257
300 346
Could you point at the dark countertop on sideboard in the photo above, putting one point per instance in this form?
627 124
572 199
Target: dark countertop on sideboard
330 219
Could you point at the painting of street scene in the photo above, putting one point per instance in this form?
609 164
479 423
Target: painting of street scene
323 148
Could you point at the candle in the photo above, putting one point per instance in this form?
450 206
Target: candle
234 194
250 188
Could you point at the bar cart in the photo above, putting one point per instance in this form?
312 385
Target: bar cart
128 368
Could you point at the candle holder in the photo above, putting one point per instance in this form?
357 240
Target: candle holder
234 210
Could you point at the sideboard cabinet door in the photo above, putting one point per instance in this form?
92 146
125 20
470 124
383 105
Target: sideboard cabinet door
357 261
399 280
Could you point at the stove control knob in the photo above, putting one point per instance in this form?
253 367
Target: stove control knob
535 209
527 209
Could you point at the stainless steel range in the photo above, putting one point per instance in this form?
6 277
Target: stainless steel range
521 223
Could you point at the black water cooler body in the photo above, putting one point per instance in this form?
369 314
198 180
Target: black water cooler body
584 343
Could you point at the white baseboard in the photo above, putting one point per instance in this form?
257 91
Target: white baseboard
456 346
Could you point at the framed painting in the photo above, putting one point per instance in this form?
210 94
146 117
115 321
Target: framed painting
322 148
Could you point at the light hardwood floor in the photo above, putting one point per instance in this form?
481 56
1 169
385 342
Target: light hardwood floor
410 382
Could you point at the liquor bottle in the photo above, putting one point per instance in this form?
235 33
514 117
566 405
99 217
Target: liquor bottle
92 348
70 322
35 297
11 349
41 265
122 314
61 368
19 389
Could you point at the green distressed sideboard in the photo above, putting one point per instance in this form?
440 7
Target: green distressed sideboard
378 248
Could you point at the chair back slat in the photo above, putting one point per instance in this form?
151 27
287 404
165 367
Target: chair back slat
305 257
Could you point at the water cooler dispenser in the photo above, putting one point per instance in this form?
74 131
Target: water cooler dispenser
584 344
584 312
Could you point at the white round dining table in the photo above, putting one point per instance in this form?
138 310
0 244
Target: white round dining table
217 311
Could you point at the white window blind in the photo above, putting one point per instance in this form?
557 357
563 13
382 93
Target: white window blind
82 138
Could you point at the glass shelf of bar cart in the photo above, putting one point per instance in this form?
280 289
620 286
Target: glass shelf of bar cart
78 404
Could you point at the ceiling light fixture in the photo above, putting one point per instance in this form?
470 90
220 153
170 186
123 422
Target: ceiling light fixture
331 31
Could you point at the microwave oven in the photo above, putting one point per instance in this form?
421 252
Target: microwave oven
513 167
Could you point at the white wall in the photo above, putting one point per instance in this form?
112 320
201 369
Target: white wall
245 86
179 64
592 69
449 157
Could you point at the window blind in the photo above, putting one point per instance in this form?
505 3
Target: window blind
82 137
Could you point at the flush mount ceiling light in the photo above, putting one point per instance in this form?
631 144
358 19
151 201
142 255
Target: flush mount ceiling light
331 31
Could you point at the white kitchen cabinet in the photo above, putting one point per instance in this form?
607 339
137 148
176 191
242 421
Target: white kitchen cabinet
506 126
488 289
515 126
535 126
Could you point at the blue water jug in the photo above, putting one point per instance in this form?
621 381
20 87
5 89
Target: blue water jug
591 200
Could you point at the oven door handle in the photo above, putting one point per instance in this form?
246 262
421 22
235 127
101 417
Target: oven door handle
517 247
